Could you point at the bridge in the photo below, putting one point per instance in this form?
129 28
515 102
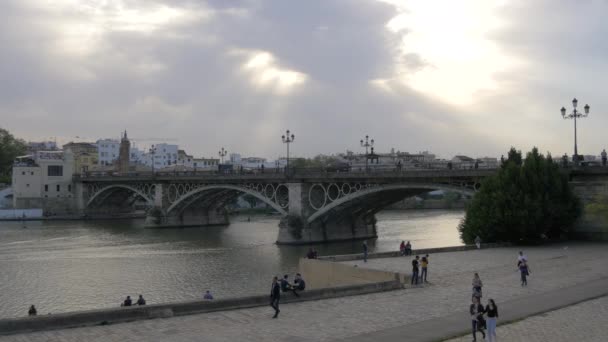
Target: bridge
315 206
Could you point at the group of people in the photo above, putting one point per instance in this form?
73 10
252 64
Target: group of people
129 302
405 248
284 286
420 269
477 310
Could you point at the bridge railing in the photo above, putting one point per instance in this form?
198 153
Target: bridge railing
284 173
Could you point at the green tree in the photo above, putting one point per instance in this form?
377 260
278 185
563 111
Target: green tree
10 147
521 203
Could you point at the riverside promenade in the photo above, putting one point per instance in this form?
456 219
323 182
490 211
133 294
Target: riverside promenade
560 277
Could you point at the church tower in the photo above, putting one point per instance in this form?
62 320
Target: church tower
123 155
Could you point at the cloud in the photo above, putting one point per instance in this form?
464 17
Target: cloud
471 78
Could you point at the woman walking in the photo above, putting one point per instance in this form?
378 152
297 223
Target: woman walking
492 312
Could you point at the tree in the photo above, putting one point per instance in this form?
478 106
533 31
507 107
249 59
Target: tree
10 147
522 203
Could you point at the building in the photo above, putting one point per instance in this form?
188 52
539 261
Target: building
124 154
235 158
108 150
463 162
160 156
184 159
44 180
206 164
86 157
33 146
136 155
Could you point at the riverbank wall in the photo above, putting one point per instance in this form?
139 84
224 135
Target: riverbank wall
134 313
421 252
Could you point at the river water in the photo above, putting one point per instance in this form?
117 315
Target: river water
73 265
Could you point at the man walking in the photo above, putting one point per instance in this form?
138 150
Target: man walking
275 296
478 242
415 271
364 250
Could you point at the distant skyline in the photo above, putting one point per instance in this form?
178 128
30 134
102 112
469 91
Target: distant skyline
469 77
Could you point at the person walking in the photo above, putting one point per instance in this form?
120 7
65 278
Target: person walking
275 296
478 242
424 263
476 310
415 271
524 269
492 313
604 157
365 250
477 285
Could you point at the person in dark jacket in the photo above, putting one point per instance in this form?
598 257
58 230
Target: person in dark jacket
477 310
127 302
492 313
365 249
415 271
275 296
32 311
141 300
299 283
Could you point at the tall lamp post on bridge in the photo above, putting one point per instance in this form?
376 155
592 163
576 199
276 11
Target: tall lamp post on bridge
288 138
222 153
575 115
367 144
153 152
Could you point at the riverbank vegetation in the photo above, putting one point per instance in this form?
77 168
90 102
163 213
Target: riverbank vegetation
10 147
527 201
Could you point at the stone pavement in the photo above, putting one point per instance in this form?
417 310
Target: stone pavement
553 268
587 321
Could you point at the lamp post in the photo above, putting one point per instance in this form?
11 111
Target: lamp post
288 139
575 115
222 153
367 143
153 152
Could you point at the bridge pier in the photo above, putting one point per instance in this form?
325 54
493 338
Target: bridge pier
191 217
294 231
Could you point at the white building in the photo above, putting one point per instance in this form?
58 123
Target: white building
160 156
107 150
235 159
136 155
44 180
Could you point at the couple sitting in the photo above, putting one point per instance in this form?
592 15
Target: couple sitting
298 284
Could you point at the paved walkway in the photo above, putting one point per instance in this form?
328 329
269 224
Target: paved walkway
553 268
586 321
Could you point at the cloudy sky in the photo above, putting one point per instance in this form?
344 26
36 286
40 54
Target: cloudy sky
471 77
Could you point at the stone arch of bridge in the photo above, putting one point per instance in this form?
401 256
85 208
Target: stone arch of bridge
113 187
172 208
389 188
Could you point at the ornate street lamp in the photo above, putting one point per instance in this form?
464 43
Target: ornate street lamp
367 143
153 152
222 153
288 139
575 115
